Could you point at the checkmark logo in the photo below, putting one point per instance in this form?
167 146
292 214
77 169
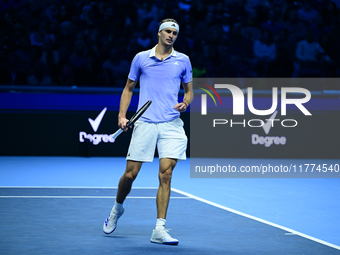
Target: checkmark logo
268 125
95 123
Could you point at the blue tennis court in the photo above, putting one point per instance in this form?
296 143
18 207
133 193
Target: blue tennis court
56 205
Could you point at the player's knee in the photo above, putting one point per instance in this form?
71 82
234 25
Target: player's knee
165 177
131 171
130 176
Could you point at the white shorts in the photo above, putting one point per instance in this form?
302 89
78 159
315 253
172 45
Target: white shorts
169 137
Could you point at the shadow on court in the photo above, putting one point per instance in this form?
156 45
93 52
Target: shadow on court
69 221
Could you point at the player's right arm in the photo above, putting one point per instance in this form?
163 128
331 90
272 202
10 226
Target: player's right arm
125 101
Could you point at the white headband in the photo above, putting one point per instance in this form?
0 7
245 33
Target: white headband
167 25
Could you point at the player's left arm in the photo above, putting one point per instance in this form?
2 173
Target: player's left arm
187 99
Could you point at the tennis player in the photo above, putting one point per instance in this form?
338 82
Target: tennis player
160 71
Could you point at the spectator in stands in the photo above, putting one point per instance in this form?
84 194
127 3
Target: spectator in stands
50 57
86 20
237 11
63 14
265 48
37 38
93 43
319 27
146 11
11 73
295 28
264 52
330 46
51 12
66 77
331 13
272 24
66 36
40 76
144 40
283 66
80 64
309 52
7 20
24 55
119 25
252 27
106 79
198 11
311 58
223 69
205 25
115 69
306 13
199 66
14 37
186 42
240 46
212 62
152 28
108 20
35 55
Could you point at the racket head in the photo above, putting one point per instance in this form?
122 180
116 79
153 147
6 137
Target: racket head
139 113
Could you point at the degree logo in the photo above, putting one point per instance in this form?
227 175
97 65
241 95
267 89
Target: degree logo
95 123
95 139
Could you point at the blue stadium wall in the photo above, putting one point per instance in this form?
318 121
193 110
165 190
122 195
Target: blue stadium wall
54 122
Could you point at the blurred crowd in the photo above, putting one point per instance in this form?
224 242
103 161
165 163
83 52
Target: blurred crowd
92 43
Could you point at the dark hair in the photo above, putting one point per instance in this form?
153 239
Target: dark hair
168 20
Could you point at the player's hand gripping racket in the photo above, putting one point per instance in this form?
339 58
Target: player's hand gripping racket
133 119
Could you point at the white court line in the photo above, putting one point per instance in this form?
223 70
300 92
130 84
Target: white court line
290 231
66 187
129 197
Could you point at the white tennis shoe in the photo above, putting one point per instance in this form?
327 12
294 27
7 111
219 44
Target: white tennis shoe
110 223
162 236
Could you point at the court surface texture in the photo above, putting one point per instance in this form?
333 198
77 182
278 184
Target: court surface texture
57 205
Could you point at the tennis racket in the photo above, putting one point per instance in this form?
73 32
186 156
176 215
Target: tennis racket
133 119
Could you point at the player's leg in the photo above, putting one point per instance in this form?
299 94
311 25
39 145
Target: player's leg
125 182
160 234
166 167
171 147
124 188
141 149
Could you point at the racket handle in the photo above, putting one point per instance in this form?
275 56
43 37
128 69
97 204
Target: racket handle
117 133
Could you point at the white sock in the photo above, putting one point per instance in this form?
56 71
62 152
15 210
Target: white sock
117 207
160 224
